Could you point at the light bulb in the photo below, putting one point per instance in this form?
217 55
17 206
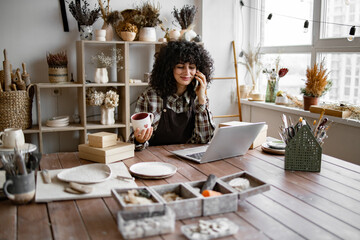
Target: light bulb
351 36
269 18
241 54
306 26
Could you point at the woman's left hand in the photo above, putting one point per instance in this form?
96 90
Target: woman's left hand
201 89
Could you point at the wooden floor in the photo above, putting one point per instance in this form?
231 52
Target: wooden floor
300 205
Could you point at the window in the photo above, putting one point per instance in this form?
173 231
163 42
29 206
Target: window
329 25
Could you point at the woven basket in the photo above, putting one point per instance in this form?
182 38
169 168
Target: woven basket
58 74
15 109
303 152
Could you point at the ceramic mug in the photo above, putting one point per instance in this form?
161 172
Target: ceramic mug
142 120
12 137
20 189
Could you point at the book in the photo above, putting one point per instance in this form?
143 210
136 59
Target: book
106 159
120 147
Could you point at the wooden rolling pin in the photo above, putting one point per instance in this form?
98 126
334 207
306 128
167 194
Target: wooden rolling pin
20 84
25 76
7 73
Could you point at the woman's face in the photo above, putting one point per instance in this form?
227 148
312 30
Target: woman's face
184 73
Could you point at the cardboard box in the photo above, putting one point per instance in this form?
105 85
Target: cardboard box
259 140
102 139
330 112
106 159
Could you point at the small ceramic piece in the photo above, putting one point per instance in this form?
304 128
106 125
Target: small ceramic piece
240 184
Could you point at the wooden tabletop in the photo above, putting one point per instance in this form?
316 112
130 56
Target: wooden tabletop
299 205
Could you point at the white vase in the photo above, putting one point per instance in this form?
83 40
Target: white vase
147 34
86 32
109 31
107 116
174 35
101 75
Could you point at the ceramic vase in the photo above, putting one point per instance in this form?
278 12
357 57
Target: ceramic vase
147 34
174 35
86 32
107 116
109 31
101 75
271 90
308 101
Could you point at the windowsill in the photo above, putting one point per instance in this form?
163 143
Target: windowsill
297 111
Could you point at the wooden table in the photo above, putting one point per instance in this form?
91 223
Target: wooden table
300 205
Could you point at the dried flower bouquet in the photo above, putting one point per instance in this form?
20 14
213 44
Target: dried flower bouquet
102 60
83 14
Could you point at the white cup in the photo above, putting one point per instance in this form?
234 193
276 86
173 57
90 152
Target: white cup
12 137
142 120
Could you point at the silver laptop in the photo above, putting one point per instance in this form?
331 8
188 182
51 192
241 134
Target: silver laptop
227 142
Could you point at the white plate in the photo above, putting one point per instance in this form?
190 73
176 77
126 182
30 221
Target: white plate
27 147
265 147
277 144
90 173
154 170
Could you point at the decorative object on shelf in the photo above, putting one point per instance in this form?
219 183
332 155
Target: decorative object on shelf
147 18
100 35
110 19
101 75
85 17
174 35
185 18
107 101
57 62
253 65
274 76
103 61
59 121
316 84
343 110
127 31
281 98
244 91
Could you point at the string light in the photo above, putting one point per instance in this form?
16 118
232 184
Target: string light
242 3
269 18
351 36
241 54
306 26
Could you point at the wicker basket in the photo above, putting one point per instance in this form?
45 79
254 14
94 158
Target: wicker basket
303 152
15 109
58 74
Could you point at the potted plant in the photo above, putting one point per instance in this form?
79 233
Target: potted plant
110 19
185 18
57 62
147 19
316 84
108 101
85 17
103 61
253 65
127 31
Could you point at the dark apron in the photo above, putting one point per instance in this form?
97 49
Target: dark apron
174 128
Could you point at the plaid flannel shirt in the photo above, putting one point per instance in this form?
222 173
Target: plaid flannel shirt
150 101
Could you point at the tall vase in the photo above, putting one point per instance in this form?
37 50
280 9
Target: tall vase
109 31
101 75
147 34
107 115
86 32
271 90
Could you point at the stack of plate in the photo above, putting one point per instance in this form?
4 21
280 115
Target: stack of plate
153 170
275 147
60 121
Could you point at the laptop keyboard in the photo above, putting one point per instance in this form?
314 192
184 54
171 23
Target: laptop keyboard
196 155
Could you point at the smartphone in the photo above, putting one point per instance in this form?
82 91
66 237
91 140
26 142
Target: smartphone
196 84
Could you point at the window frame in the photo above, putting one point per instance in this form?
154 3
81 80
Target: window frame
318 45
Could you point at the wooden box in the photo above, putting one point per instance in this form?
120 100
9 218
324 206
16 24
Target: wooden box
227 202
118 193
330 112
259 140
188 207
110 154
102 139
256 185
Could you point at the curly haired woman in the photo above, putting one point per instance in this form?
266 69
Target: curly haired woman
177 98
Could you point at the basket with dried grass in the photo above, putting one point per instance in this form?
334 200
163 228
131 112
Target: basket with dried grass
58 72
316 84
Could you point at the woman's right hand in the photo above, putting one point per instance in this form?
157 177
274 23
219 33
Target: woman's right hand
144 135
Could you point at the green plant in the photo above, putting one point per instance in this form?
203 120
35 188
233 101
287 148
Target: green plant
57 59
82 14
148 15
185 16
317 83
